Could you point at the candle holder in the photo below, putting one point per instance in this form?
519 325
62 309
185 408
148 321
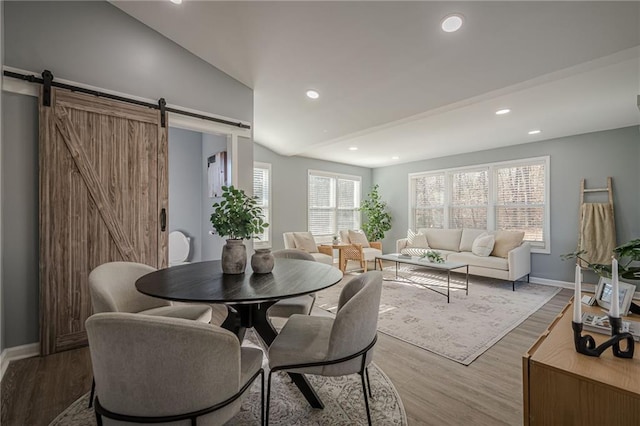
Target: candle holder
586 345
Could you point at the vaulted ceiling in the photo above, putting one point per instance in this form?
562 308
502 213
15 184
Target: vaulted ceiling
393 84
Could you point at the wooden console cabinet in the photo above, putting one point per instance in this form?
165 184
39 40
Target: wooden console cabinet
563 387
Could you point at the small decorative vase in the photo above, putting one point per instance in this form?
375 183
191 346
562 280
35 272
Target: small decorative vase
234 257
262 261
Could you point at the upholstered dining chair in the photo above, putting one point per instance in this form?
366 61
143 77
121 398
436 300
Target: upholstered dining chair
360 249
332 346
112 289
294 305
152 369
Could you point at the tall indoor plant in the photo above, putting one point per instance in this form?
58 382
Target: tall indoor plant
378 219
237 217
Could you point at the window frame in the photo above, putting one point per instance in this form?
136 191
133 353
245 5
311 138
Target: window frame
311 172
268 242
536 246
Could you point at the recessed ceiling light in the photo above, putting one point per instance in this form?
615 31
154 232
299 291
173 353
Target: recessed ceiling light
395 157
176 1
312 94
503 111
353 148
534 132
451 23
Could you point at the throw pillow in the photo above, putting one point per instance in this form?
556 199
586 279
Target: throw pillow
506 241
358 237
304 241
483 245
418 240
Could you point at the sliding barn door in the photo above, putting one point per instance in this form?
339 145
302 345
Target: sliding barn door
103 188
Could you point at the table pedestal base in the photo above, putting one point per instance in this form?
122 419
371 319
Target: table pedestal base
241 317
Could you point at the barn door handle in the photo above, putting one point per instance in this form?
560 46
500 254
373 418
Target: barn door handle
163 220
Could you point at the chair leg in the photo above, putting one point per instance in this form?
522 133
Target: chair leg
93 392
262 397
366 399
366 371
266 412
380 263
98 419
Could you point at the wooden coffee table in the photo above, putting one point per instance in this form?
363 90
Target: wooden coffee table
424 263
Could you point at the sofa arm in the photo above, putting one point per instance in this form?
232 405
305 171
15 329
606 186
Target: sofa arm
519 260
400 244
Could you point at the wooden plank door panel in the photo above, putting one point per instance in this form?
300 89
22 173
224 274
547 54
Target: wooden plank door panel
100 200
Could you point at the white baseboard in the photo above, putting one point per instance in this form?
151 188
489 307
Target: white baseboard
589 288
16 353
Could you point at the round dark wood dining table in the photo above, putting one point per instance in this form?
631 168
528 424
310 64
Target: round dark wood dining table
247 296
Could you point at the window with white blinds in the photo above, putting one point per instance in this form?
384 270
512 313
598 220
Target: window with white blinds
469 197
521 199
333 203
262 192
510 195
428 206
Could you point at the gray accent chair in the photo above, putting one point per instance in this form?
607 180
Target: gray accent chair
152 369
112 289
295 305
332 346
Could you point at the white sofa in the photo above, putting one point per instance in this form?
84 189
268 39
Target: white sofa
510 259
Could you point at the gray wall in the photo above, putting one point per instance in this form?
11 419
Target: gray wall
593 156
93 43
211 244
185 187
19 220
289 189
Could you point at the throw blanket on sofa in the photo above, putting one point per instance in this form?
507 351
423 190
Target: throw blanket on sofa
597 232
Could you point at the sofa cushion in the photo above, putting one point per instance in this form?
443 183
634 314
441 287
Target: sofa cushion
304 241
416 239
468 237
444 239
358 237
506 241
483 245
471 259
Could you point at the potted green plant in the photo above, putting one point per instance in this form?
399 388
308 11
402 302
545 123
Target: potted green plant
627 254
432 256
237 217
378 219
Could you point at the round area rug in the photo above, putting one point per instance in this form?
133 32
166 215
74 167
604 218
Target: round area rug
342 397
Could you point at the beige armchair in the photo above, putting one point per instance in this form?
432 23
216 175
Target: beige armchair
151 369
305 241
361 251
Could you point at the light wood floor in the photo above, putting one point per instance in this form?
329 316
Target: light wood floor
434 390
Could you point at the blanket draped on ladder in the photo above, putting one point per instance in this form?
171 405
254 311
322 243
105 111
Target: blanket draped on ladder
597 232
